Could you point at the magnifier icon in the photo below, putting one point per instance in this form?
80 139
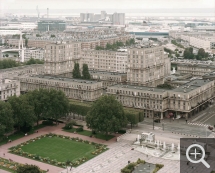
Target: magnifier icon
195 153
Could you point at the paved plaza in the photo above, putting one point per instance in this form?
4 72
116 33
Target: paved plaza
119 153
117 157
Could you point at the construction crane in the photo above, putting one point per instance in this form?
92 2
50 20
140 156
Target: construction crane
38 12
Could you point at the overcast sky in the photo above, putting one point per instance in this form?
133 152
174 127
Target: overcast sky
105 4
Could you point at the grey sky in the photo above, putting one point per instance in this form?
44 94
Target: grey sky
105 4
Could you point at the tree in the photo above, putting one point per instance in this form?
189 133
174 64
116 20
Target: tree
106 115
23 112
201 52
58 105
188 53
76 71
198 57
39 99
6 118
52 35
85 72
177 55
28 169
132 119
7 55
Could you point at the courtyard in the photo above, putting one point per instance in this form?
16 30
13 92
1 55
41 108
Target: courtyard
58 149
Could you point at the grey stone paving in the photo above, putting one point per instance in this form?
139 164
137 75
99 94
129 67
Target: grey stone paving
118 156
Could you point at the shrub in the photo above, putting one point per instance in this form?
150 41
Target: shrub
73 122
80 129
122 131
68 126
47 122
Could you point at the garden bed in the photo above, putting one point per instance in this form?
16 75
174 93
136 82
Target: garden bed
18 135
58 150
10 166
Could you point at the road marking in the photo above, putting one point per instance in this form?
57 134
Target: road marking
208 118
198 117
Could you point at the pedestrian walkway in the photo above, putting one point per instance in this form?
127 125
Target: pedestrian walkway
3 171
117 157
4 149
198 124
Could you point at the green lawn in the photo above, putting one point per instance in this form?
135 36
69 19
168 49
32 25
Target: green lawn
59 148
18 135
88 133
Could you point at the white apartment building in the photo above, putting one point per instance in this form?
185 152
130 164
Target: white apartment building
147 66
8 88
105 60
33 53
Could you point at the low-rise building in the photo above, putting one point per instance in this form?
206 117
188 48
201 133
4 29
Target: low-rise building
184 100
73 88
33 53
194 69
109 78
206 43
26 70
8 88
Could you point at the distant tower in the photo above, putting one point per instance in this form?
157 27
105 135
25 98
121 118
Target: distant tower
47 12
21 52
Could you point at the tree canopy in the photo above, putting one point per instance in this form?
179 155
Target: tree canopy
6 118
8 63
106 115
58 105
23 113
116 45
76 71
85 72
34 61
188 53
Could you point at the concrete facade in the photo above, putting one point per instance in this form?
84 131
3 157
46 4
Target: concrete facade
105 60
60 58
33 53
185 100
195 69
147 66
73 88
26 70
8 88
109 78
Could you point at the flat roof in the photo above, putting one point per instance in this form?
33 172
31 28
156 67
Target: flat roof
20 67
140 88
196 65
107 73
191 85
65 79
